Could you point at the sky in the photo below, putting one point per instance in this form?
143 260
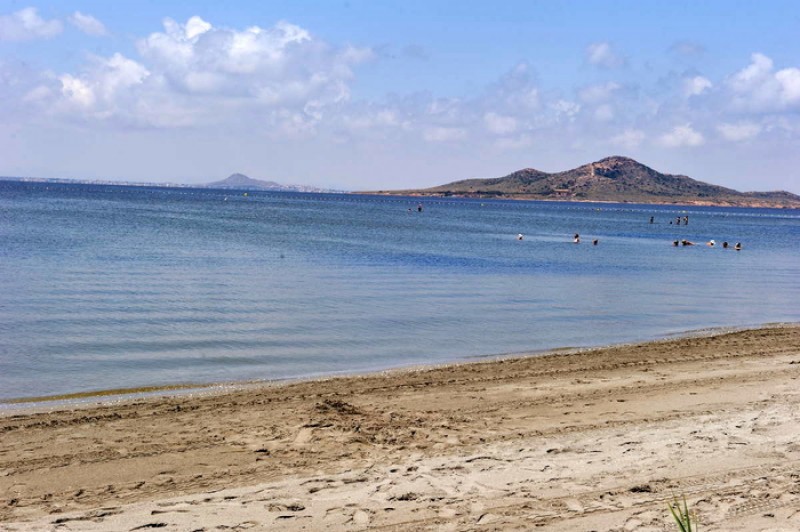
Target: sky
369 95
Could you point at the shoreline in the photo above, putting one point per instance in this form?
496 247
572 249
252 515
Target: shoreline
109 396
677 203
599 439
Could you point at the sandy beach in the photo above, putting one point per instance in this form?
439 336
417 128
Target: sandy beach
597 440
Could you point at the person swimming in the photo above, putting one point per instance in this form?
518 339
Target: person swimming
738 246
576 238
725 245
711 243
595 242
519 236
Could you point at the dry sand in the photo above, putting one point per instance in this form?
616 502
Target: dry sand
596 440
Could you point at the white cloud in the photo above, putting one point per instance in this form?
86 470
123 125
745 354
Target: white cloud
280 77
754 75
195 27
566 108
443 134
789 80
681 136
280 65
601 54
500 124
739 131
76 91
26 25
696 85
757 87
99 89
88 24
595 94
630 138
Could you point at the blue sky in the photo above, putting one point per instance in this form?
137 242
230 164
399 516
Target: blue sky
374 95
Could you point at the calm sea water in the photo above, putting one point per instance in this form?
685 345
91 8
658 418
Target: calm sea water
107 287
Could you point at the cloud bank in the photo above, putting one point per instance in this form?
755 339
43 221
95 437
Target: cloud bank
281 83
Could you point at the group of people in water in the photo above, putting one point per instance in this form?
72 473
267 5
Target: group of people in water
684 242
737 246
577 240
711 243
678 220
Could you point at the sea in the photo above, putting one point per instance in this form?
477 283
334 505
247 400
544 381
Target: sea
106 287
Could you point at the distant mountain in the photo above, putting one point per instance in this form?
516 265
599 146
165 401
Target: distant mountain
242 182
616 179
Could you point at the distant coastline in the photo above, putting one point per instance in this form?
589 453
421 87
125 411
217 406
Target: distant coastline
522 197
763 200
105 182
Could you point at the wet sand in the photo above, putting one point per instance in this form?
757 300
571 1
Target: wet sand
595 440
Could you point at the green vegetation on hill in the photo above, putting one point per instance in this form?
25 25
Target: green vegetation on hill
617 179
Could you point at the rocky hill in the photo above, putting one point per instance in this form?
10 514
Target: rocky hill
617 179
